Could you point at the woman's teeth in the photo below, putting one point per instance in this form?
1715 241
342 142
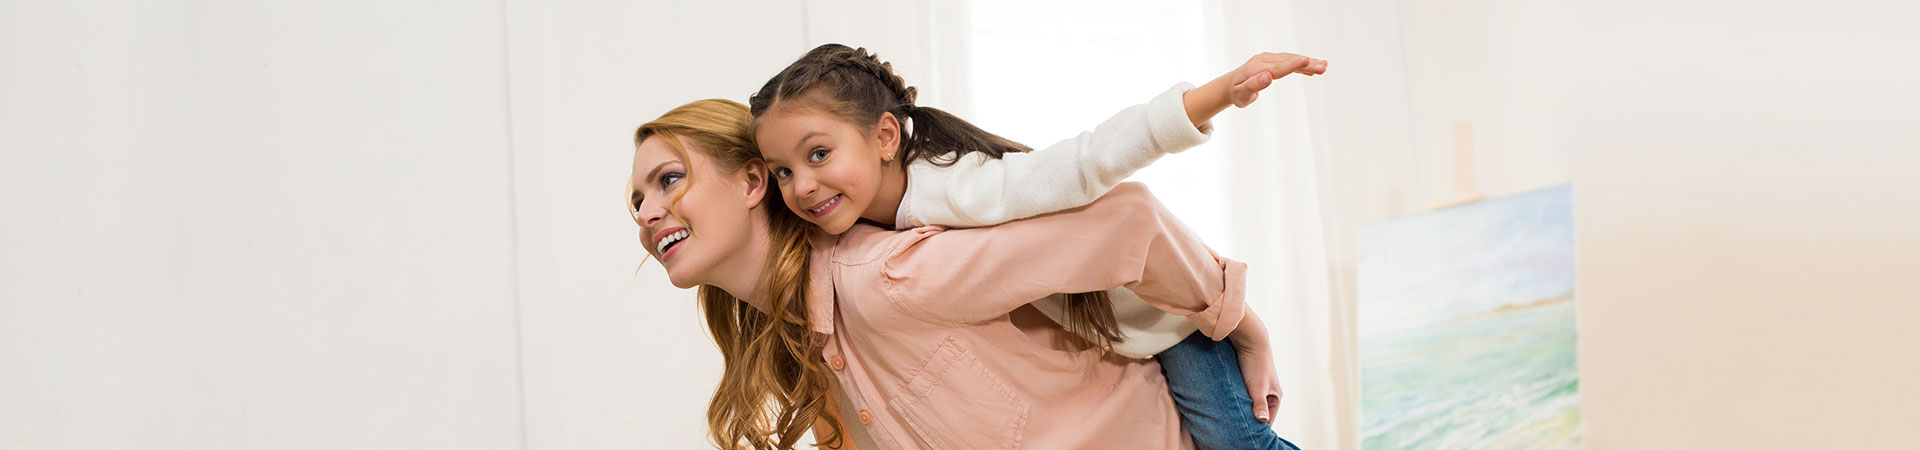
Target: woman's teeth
671 239
830 202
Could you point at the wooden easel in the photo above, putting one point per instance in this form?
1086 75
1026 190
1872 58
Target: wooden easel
1464 189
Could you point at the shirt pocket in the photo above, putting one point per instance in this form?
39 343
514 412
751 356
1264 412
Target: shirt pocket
955 402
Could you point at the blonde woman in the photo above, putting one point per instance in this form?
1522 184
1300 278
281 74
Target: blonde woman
925 334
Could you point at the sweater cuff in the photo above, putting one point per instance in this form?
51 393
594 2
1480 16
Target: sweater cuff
1223 316
1167 121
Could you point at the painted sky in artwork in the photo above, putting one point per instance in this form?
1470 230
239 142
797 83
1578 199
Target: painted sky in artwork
1465 260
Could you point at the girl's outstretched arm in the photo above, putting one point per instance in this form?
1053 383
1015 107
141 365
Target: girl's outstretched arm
979 190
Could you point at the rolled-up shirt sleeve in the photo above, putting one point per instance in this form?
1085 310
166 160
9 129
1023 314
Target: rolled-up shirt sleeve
1125 238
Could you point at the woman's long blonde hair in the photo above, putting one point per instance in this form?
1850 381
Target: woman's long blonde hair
774 386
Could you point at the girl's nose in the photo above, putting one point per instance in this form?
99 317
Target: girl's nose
803 187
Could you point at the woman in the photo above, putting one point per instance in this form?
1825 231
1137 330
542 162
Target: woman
925 333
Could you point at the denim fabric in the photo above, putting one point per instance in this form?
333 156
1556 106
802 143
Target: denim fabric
1211 396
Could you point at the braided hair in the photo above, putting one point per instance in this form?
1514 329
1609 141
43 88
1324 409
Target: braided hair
858 87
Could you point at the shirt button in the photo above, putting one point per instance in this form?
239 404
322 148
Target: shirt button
866 417
837 362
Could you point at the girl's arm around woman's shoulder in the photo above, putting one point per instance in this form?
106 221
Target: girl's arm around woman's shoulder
1125 238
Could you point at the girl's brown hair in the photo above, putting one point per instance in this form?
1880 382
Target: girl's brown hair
858 87
773 386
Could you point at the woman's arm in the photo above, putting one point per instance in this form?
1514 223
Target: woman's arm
979 190
1255 351
1126 238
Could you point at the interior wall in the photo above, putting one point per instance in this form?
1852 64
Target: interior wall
1738 170
239 225
616 356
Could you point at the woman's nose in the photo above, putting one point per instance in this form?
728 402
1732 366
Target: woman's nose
649 213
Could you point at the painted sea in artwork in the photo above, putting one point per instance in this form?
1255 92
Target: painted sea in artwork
1467 332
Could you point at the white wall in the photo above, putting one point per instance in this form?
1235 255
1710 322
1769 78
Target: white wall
616 356
1742 172
231 225
342 225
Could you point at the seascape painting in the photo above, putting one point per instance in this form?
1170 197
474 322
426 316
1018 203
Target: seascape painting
1467 330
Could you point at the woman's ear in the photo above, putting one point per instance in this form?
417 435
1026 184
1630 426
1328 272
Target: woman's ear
888 130
753 175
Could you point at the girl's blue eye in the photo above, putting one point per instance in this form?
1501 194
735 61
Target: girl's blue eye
667 179
817 155
782 173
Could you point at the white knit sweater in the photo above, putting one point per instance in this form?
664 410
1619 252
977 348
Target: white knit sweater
979 190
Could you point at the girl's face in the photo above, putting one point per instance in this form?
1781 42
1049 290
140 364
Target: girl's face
829 171
709 226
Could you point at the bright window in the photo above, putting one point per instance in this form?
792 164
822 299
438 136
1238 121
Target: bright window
1043 71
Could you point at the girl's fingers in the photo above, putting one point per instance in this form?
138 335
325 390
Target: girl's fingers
1245 92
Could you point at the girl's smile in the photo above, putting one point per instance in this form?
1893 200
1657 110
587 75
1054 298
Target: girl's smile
827 206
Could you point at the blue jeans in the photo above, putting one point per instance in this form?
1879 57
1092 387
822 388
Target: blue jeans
1204 376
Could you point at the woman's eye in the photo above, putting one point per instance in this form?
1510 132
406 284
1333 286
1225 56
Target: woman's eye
782 173
817 155
669 178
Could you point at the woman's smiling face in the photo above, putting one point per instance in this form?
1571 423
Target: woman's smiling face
694 216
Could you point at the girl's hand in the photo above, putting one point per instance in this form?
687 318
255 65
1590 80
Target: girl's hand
1259 72
1256 367
1243 85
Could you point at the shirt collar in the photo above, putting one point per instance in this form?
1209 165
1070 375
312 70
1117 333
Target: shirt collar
820 293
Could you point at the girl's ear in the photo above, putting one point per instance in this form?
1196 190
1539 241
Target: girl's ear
888 129
753 175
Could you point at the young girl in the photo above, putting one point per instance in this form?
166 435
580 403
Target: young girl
833 128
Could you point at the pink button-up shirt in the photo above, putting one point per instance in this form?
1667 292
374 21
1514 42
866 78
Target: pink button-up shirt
930 338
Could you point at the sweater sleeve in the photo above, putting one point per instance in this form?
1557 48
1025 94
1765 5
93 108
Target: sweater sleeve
1126 239
979 190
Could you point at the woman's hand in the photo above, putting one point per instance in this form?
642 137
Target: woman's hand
1242 86
1256 366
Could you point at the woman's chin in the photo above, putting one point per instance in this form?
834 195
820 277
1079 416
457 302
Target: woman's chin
682 279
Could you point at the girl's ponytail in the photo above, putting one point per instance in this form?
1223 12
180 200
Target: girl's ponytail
942 137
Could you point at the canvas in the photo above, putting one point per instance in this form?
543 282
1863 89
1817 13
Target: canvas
1467 331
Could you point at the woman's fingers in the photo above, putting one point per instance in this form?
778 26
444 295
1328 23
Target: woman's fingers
1260 409
1273 407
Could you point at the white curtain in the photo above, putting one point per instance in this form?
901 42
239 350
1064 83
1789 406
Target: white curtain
1282 225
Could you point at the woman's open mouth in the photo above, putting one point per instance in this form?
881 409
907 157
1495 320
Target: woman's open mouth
672 241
